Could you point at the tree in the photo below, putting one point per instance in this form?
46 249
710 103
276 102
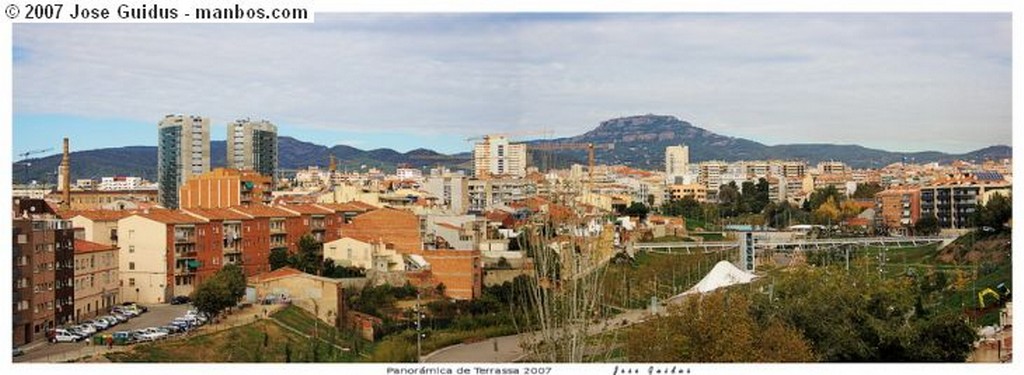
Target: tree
637 209
221 291
926 226
234 278
213 296
827 213
858 317
687 207
995 213
755 196
822 195
729 199
278 258
715 327
867 190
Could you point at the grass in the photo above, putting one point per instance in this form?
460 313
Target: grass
401 347
237 345
304 322
654 274
245 344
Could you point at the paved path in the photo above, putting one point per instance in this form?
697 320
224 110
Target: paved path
508 346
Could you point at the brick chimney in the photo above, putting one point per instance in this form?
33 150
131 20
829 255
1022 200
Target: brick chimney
65 182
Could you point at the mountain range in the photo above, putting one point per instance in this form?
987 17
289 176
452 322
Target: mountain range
636 141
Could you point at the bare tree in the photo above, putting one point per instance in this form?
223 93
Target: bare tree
561 306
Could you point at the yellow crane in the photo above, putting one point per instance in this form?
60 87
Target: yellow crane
989 292
590 147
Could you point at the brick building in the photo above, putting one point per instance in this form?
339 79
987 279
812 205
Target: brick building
401 228
97 286
320 222
284 228
43 270
897 209
460 271
223 188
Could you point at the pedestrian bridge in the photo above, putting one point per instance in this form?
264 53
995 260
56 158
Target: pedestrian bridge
781 244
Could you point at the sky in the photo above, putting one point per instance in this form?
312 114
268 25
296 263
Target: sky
899 82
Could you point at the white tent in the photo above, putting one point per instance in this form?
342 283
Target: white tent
722 275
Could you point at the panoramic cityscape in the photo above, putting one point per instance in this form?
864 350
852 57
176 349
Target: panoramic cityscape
389 188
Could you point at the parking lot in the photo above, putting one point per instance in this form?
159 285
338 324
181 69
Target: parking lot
158 315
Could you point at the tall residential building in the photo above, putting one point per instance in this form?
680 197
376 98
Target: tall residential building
252 145
43 250
677 160
183 151
496 156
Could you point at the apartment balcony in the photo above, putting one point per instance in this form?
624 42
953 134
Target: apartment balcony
184 238
235 259
232 250
277 229
186 254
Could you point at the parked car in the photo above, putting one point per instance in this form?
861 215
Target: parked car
156 333
89 329
18 351
111 320
76 331
172 329
123 337
123 311
140 335
180 300
97 324
141 308
63 335
120 317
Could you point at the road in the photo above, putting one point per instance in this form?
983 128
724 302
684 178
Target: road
158 315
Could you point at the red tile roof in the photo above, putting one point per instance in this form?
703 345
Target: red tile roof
171 217
343 207
218 214
83 246
306 209
260 210
97 215
449 226
276 274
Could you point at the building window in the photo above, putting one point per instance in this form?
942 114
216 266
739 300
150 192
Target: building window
131 282
131 249
131 266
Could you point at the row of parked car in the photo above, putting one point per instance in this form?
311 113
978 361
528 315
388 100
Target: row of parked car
85 329
191 320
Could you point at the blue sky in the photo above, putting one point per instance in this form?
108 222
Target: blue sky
901 82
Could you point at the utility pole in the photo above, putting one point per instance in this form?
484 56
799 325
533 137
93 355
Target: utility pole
419 329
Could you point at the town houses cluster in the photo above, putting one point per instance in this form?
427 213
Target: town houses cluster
84 246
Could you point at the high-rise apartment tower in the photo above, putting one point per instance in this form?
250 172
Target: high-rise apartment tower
183 151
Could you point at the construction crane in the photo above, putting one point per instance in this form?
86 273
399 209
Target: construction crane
26 154
590 147
545 133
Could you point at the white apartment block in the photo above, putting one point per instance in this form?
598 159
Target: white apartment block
408 173
677 160
252 145
120 183
497 156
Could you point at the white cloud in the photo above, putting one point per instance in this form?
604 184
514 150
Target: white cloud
925 79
